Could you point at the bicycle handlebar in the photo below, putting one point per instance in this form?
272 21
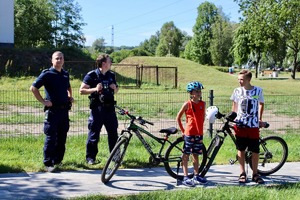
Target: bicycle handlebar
141 121
232 115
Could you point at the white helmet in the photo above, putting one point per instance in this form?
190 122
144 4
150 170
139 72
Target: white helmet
211 112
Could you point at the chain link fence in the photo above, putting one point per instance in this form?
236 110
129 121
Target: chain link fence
21 115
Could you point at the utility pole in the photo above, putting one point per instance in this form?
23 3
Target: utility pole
112 37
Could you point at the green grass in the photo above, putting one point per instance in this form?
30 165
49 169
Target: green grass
277 192
20 158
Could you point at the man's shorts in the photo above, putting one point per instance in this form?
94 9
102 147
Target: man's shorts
247 137
193 144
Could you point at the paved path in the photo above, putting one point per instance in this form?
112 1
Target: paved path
128 181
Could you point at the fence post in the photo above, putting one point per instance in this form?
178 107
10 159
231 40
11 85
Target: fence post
139 74
157 79
211 103
176 78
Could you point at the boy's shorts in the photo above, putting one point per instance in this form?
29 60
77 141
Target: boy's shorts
193 144
247 137
252 133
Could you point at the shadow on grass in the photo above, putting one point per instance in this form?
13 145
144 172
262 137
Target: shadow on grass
10 169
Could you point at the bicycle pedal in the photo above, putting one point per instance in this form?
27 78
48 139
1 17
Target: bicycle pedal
231 161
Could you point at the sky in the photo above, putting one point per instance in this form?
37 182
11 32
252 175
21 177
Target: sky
130 22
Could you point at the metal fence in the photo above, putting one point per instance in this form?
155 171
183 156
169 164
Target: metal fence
21 115
130 75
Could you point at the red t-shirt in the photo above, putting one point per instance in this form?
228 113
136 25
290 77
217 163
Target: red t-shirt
195 118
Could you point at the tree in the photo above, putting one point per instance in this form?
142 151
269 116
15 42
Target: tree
99 45
118 56
240 48
48 23
188 50
185 40
260 36
169 40
279 21
151 44
221 41
207 15
33 23
285 14
67 24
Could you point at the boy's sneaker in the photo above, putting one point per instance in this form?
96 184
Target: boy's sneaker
199 180
188 182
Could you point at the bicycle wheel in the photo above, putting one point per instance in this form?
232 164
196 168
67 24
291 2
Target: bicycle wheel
212 151
114 160
272 156
173 160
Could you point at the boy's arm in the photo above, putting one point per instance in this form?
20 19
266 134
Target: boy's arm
179 115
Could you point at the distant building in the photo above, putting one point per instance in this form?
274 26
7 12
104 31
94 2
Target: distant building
6 23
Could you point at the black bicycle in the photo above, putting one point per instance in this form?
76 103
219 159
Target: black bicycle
171 159
273 149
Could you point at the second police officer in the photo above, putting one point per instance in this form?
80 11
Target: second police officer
100 84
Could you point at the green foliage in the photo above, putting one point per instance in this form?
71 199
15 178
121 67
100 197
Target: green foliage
30 62
207 15
99 45
169 40
151 44
67 24
48 23
33 23
241 49
118 56
278 23
222 69
221 41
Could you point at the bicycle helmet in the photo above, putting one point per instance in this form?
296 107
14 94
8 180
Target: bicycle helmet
211 112
194 85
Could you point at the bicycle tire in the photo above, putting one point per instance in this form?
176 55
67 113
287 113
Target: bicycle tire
212 151
114 160
173 155
272 156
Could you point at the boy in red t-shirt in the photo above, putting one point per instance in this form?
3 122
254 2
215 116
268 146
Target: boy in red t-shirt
194 110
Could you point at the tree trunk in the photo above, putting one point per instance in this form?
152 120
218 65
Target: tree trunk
293 72
257 64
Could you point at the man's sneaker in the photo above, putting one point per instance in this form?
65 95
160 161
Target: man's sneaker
199 180
91 162
188 182
50 169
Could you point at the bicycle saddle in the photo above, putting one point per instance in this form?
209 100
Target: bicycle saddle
169 131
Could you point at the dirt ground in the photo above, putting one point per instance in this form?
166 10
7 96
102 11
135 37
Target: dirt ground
278 123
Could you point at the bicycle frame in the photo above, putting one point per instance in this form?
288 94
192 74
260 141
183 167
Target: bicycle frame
172 153
137 130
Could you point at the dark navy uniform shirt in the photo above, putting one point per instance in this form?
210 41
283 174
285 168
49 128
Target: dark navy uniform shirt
56 85
94 77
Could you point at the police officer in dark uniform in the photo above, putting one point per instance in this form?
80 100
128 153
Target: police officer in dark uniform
57 103
101 86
